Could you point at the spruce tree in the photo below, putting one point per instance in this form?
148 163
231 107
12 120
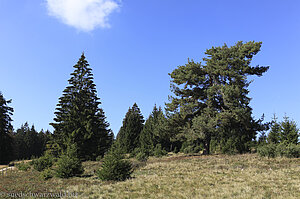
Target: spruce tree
79 119
211 98
289 132
28 142
154 131
6 128
129 134
274 134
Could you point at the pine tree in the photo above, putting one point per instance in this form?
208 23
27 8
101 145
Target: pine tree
274 134
289 132
211 98
129 134
79 119
6 141
154 131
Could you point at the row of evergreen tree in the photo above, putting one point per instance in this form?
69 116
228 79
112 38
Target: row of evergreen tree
24 143
209 110
285 131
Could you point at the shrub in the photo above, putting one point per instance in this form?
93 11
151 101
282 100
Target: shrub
134 152
293 151
281 150
43 162
23 166
158 151
142 156
47 174
114 167
268 150
69 165
188 149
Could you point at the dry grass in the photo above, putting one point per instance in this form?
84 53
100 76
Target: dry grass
239 176
177 176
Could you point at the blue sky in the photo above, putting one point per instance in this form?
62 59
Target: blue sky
132 45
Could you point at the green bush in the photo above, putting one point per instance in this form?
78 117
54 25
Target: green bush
47 174
114 167
142 156
282 150
293 151
268 150
69 165
158 151
23 166
134 152
188 149
43 162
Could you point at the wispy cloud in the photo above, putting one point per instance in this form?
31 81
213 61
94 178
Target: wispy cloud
84 15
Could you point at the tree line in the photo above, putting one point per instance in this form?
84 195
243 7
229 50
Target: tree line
24 143
209 111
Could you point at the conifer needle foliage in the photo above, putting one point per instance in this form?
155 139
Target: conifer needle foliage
5 129
211 100
79 119
129 134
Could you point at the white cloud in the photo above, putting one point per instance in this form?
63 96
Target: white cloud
84 15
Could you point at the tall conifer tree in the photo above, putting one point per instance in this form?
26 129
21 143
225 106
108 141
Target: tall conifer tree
211 98
129 135
154 131
79 119
5 130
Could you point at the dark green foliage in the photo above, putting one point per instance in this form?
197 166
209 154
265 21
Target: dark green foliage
289 132
43 162
262 140
292 151
142 156
28 142
69 165
138 150
129 134
114 167
191 147
282 150
288 150
154 131
158 151
211 100
78 116
274 134
268 150
6 140
23 166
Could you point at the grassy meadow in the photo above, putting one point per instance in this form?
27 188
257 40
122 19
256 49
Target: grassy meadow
176 176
